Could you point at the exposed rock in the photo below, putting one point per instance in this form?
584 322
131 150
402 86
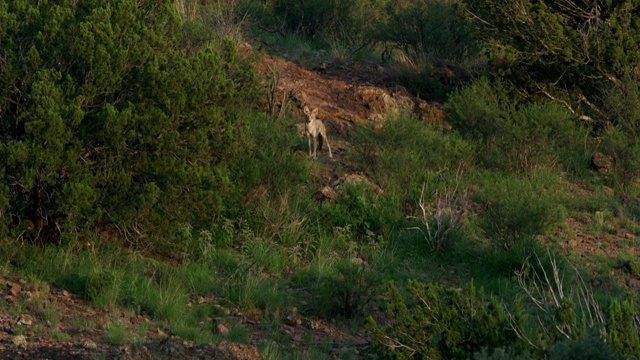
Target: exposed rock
433 114
293 320
601 162
337 126
90 345
298 96
222 330
633 284
355 179
19 341
25 320
14 289
326 193
234 351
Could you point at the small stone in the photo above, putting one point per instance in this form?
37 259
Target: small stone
89 345
222 330
293 320
223 309
15 289
629 235
326 193
601 162
25 320
19 341
287 330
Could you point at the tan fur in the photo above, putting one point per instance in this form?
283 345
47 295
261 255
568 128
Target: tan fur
314 128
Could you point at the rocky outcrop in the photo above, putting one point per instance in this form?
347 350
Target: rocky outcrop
601 163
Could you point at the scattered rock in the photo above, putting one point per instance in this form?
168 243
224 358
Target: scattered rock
222 330
298 96
293 319
25 320
601 162
336 126
14 289
222 309
90 345
326 193
19 341
234 351
633 284
357 179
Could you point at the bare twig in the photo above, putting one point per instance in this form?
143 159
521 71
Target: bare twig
444 215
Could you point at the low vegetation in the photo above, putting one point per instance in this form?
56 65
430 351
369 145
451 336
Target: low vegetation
146 168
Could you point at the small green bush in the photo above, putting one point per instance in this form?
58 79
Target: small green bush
350 22
515 136
590 346
620 139
429 30
623 330
343 290
360 209
440 322
517 209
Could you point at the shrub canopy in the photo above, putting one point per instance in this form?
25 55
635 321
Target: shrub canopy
105 123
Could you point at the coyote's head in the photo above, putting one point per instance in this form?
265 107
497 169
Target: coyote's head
310 115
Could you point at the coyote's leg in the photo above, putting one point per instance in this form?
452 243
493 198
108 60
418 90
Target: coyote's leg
328 146
315 147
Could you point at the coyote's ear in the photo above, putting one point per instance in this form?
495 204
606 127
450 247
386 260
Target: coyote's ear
314 112
306 110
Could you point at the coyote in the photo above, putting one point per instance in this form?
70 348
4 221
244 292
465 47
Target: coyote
315 128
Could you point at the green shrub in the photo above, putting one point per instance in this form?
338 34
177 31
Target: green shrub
344 289
501 354
429 30
547 43
517 209
620 139
516 137
623 330
271 165
479 111
348 22
360 209
440 322
590 346
105 125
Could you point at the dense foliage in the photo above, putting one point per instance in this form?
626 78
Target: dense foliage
563 49
105 122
